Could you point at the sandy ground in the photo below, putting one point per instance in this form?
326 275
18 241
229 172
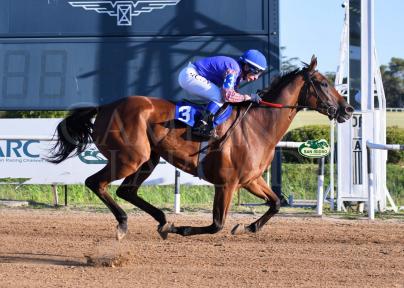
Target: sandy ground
64 248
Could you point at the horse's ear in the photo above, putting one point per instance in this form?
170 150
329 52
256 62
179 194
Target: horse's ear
313 63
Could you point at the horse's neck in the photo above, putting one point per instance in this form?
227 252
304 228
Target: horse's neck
288 96
275 122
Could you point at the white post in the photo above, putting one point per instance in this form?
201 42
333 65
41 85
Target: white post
343 89
177 195
332 132
371 189
55 195
320 186
367 55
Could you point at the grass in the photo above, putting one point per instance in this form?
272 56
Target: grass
305 118
161 196
299 180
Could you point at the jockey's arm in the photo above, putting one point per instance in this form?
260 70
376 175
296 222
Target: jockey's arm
228 91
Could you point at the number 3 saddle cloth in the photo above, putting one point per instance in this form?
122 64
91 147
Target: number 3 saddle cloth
189 113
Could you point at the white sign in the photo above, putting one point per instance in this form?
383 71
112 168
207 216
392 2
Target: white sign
27 158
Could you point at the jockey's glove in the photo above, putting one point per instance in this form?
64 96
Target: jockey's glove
255 98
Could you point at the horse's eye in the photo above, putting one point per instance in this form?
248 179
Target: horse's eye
324 84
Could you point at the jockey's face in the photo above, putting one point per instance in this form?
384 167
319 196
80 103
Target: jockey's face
249 75
252 77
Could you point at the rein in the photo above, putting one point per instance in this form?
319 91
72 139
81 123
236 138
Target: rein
265 104
307 81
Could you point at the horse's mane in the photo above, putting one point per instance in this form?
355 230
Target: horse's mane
278 83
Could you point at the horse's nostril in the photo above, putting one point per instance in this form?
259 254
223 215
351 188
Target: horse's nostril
349 109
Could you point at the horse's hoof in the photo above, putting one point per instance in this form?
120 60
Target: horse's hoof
238 229
121 231
164 230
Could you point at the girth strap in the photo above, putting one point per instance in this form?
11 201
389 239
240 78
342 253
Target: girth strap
201 156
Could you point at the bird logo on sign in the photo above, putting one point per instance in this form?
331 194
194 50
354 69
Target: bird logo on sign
124 10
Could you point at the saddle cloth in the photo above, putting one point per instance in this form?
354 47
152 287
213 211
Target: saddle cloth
189 113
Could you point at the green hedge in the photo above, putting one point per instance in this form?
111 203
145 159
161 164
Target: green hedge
394 135
309 132
33 114
303 134
299 180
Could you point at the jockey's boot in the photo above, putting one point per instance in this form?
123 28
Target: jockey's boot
204 126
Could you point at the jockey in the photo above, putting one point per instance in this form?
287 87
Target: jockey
214 80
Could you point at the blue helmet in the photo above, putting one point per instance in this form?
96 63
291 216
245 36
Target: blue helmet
255 59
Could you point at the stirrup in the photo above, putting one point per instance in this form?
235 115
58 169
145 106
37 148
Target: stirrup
204 132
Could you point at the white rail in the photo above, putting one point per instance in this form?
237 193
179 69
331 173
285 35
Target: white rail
371 187
385 146
282 144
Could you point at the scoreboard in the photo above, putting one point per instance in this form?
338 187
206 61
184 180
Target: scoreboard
59 54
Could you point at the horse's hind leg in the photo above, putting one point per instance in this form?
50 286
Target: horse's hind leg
260 189
129 187
98 184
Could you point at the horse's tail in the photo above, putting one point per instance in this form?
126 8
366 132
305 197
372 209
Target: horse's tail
73 133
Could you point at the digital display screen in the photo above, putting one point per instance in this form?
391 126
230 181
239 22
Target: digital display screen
59 75
59 54
51 76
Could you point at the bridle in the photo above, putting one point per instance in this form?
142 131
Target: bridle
309 81
321 100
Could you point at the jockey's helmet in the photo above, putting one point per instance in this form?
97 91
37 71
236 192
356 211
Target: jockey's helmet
255 59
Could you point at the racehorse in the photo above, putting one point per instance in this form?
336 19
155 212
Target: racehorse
133 133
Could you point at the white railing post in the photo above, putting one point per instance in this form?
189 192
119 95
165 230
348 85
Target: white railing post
332 155
371 188
371 181
177 195
320 186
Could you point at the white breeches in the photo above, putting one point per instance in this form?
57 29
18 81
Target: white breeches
200 89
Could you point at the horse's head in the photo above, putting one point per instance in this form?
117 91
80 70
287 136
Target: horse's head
318 94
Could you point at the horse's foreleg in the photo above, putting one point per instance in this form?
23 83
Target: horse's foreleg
260 189
221 204
129 187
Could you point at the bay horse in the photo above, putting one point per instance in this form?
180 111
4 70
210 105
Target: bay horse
133 133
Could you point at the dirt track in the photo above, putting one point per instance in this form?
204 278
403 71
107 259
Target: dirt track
48 248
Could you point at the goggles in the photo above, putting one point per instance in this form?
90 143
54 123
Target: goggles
254 70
